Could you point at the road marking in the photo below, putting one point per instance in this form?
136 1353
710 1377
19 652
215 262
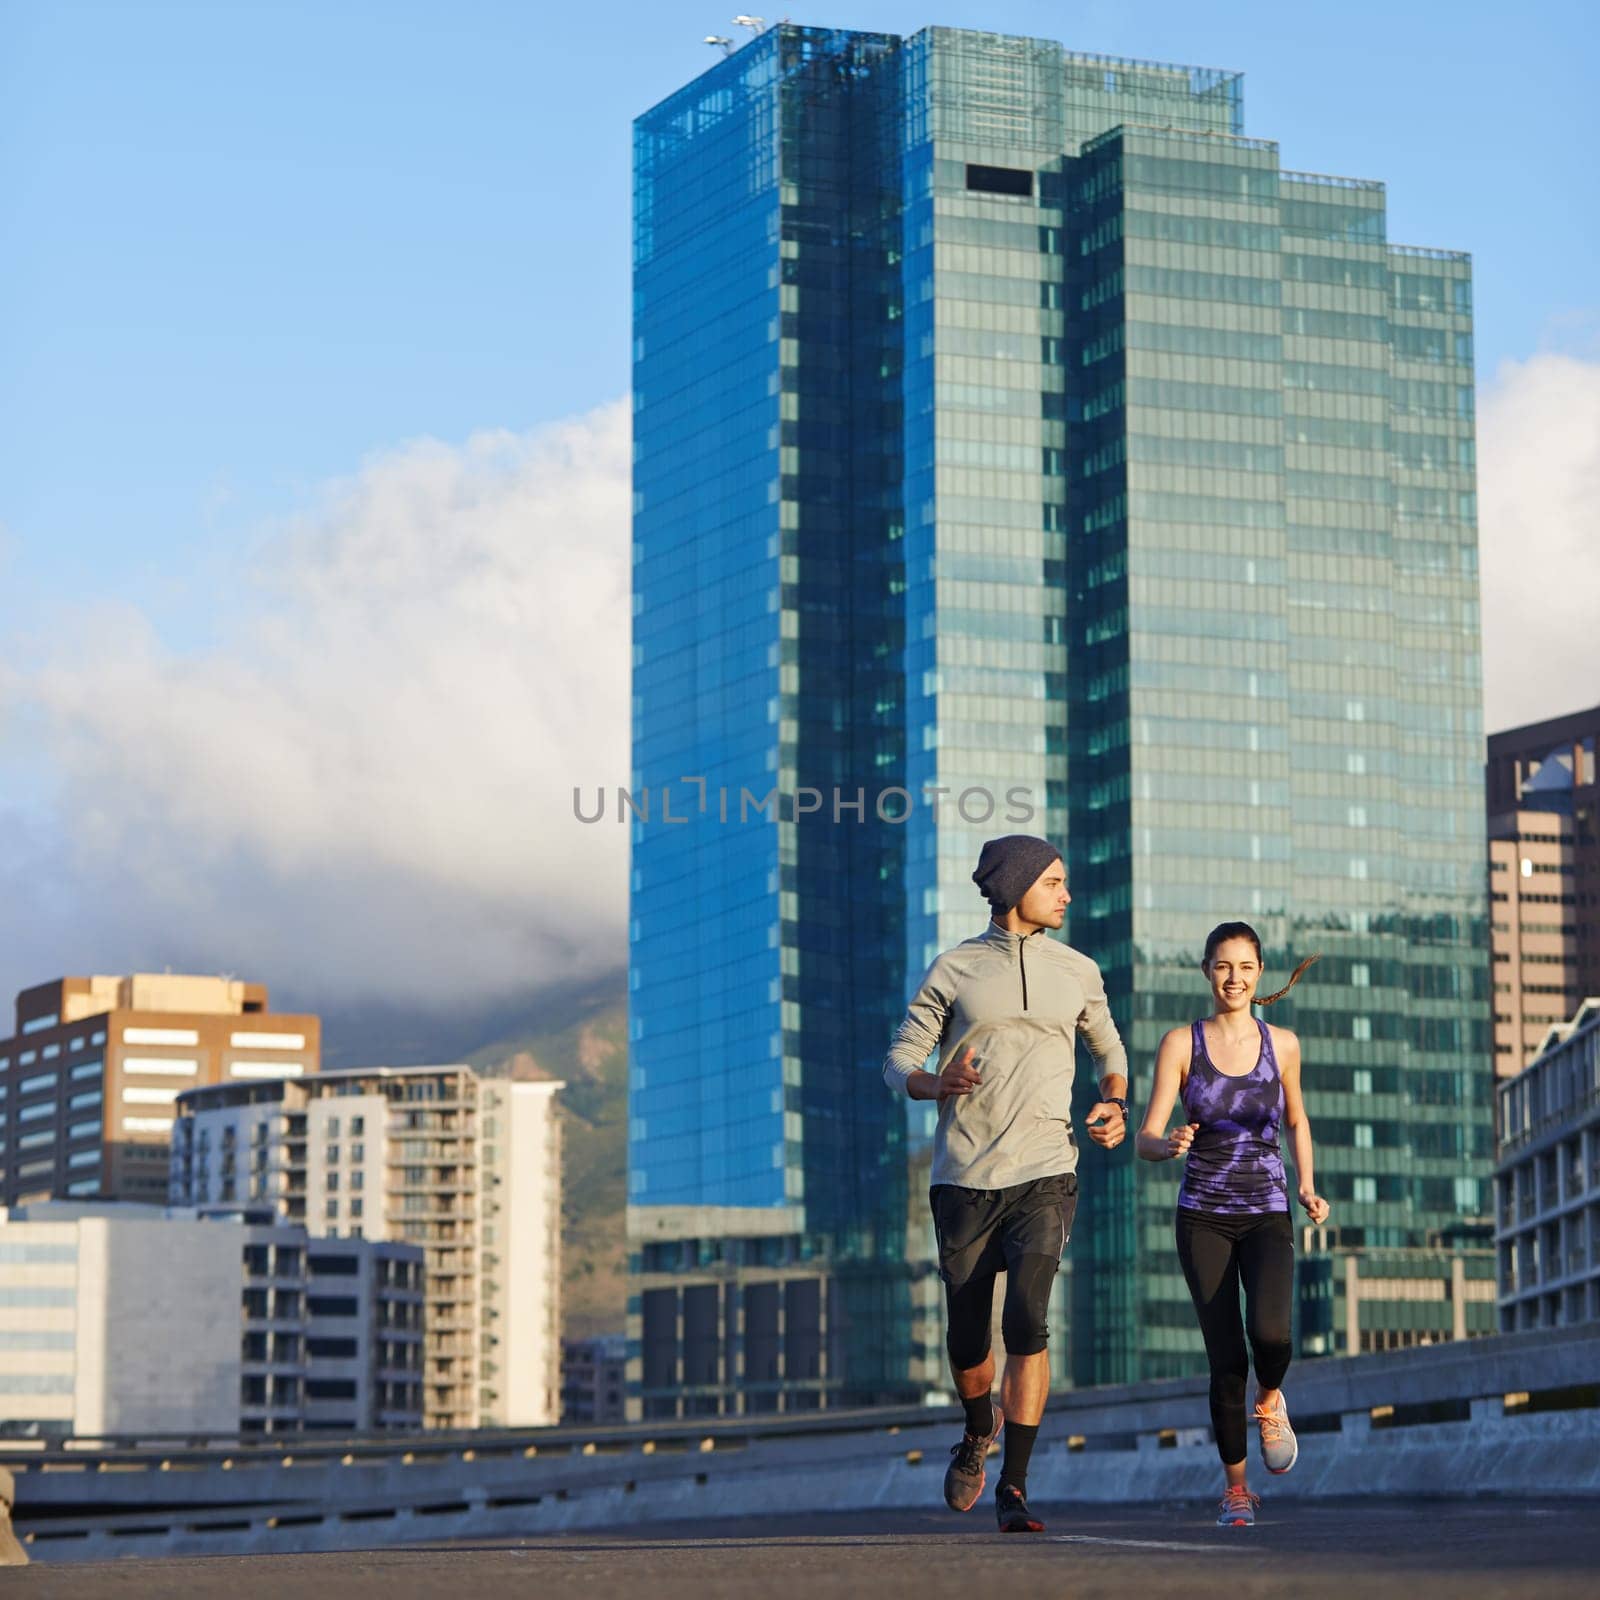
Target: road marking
1127 1544
879 1540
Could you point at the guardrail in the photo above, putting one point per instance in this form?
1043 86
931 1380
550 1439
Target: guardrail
1427 1405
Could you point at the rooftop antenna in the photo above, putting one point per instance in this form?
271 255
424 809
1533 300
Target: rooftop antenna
756 25
717 38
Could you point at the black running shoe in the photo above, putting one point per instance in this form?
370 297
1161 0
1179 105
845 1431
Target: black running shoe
965 1476
1011 1509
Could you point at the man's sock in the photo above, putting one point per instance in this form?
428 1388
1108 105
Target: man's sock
1019 1447
980 1415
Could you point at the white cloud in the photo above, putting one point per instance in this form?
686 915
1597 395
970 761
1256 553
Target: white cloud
365 789
1539 524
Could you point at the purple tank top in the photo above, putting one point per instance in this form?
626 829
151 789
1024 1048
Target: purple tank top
1234 1166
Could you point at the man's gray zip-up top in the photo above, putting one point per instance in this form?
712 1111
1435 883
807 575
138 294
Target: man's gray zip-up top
1020 1002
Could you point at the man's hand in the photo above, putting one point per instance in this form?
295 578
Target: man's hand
1315 1206
1106 1124
960 1077
1179 1140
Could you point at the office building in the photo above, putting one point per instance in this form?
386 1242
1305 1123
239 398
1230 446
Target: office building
88 1081
1020 447
1357 1301
594 1377
467 1167
1544 880
1547 1181
124 1319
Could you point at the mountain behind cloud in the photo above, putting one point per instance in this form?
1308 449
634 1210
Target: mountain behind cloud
362 793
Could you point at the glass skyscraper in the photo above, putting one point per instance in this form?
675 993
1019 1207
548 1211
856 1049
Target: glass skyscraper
1018 447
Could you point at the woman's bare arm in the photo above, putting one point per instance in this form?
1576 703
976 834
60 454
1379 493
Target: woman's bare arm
1154 1143
1287 1048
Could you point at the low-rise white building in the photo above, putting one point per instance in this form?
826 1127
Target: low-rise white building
125 1319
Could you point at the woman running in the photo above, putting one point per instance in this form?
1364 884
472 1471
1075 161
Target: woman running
1237 1078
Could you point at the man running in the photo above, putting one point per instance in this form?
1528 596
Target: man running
1004 1011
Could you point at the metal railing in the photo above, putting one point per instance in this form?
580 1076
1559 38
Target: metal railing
1427 253
1231 141
1329 180
1427 1374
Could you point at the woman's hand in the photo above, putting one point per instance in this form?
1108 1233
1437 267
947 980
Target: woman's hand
1315 1206
1179 1140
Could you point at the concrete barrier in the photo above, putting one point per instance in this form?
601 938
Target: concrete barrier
1426 1422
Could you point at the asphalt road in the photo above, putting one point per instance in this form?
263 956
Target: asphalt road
1358 1550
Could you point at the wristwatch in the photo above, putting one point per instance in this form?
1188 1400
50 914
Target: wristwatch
1119 1103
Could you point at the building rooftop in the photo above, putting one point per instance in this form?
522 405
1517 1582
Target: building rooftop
64 1001
269 1088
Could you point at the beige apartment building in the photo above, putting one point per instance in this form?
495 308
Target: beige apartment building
90 1078
468 1167
1544 879
1532 931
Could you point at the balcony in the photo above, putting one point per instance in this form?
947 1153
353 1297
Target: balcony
414 1151
432 1119
439 1187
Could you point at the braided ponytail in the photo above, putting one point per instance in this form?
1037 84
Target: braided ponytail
1294 978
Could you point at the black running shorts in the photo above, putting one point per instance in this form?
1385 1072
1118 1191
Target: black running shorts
1021 1231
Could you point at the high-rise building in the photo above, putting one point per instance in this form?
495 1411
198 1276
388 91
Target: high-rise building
1019 447
1544 880
126 1318
87 1083
466 1166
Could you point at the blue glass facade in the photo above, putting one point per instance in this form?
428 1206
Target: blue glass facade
1020 446
766 956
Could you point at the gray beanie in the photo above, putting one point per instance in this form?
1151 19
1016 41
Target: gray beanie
1008 868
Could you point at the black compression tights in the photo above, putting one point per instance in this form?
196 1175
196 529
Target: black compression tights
1219 1256
1023 1320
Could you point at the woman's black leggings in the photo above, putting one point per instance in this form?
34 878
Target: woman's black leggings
1219 1254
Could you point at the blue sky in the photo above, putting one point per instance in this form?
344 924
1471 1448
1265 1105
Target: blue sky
247 244
313 471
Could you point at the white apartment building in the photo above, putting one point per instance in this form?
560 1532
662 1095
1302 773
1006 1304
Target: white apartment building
468 1167
125 1319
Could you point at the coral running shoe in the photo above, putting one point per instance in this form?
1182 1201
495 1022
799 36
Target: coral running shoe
964 1478
1279 1447
1238 1508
